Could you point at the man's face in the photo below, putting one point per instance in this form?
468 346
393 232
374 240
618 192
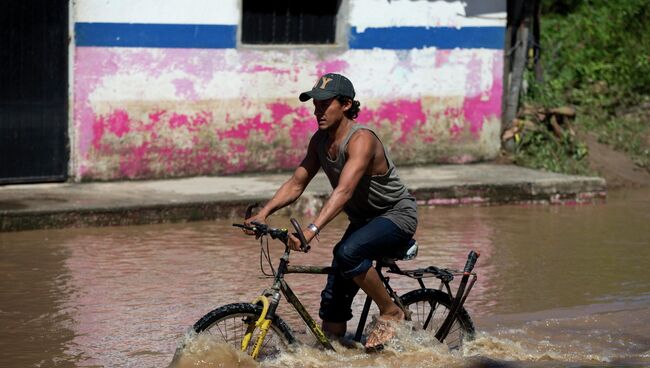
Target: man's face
329 113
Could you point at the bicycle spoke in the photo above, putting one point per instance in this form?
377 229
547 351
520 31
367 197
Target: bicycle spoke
429 316
434 327
430 309
236 338
457 332
221 331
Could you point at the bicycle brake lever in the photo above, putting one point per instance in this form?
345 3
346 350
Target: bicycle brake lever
304 246
249 209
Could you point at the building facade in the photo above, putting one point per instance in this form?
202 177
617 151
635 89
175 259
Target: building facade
209 87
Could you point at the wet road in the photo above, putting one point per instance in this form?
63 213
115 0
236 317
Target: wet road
558 286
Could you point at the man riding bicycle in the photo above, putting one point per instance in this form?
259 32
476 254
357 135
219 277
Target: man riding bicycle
382 213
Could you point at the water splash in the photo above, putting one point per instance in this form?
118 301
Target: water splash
409 348
205 350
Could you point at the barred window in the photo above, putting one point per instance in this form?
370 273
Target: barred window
279 22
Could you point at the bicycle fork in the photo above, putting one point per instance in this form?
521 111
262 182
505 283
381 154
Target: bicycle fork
262 323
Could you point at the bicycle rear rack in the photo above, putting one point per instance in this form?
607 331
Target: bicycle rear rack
443 274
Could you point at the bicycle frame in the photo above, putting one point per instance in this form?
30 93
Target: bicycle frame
280 286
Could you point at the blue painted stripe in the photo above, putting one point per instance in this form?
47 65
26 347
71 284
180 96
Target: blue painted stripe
225 36
398 38
156 35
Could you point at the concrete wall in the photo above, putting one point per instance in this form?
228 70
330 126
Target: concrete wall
165 89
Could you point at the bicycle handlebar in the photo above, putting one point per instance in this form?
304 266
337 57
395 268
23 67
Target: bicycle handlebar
262 229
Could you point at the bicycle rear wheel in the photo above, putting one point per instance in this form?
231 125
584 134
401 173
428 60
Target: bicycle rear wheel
229 323
430 307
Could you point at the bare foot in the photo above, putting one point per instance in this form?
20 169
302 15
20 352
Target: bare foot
384 330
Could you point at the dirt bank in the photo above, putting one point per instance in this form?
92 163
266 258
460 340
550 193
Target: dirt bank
616 167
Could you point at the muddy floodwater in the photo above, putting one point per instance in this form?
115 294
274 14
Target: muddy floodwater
559 286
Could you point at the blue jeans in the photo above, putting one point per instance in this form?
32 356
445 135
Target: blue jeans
353 255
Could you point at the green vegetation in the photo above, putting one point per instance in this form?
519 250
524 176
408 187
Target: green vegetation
596 57
542 150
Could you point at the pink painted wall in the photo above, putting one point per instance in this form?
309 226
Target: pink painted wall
153 113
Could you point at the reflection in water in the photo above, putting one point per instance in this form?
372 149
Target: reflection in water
557 284
34 284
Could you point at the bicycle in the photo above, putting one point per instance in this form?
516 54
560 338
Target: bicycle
257 330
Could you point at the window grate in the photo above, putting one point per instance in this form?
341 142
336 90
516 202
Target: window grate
280 22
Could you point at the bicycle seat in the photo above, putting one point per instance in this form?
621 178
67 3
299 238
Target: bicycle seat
410 254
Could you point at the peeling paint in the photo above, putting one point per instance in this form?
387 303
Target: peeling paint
186 143
145 113
332 66
484 103
262 68
405 115
185 88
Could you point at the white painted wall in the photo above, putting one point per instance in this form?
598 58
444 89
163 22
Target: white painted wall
363 13
408 13
158 11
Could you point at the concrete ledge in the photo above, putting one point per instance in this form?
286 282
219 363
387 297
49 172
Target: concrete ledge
122 216
43 206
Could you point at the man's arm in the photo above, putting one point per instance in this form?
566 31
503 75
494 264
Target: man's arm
295 186
361 148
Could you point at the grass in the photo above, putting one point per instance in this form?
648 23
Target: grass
596 57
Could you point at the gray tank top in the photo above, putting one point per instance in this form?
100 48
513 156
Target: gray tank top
375 195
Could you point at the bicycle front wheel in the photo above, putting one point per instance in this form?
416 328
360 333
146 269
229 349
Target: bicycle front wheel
229 324
430 307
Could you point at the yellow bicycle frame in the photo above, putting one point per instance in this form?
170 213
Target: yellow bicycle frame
262 323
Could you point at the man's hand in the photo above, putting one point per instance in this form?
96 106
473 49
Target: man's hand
249 222
294 242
